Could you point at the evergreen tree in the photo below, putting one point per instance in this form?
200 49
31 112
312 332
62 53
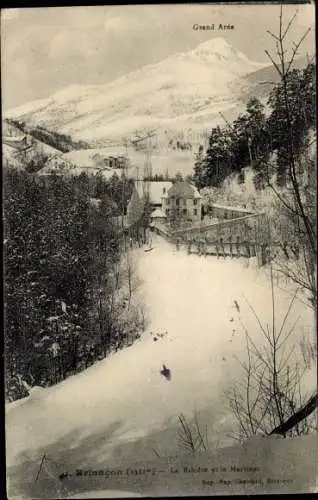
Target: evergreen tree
252 137
198 178
258 142
215 166
61 254
300 92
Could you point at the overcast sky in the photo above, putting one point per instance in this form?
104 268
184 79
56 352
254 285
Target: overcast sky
47 49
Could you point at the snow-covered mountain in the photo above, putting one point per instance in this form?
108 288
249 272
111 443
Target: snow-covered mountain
185 90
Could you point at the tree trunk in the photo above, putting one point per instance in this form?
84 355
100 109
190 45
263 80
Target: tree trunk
300 415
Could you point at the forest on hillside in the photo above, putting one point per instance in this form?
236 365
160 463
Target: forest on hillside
68 283
62 142
259 138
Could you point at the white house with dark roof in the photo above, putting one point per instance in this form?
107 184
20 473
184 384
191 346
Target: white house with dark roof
179 199
182 200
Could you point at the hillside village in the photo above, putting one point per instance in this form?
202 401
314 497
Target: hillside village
160 251
172 204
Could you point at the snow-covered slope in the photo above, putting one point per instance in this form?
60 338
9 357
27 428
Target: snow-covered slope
13 152
185 89
121 409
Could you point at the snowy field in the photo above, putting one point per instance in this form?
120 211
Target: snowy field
163 161
122 408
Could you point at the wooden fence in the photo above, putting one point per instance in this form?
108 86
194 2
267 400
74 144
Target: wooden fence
232 238
264 252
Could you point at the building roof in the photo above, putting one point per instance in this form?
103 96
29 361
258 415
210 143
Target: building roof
18 143
156 190
183 189
88 157
234 209
158 213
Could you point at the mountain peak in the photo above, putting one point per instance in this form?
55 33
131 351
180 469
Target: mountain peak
218 50
219 47
218 44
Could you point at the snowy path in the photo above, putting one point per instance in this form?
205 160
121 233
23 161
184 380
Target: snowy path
124 398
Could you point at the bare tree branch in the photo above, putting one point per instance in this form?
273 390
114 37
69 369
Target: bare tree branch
297 417
296 49
272 34
274 63
289 24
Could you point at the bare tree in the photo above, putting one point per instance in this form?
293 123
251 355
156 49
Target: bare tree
298 202
192 435
269 398
131 277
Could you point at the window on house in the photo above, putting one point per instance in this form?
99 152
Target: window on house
167 211
167 201
194 202
184 211
195 212
178 201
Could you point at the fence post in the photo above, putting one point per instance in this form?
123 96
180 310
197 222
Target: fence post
254 249
247 246
263 254
222 247
189 246
205 244
238 251
231 246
